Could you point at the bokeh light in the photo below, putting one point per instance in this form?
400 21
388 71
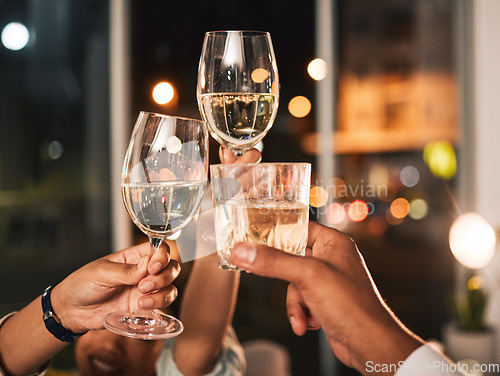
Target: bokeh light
472 240
358 211
441 159
335 213
15 36
163 93
409 176
299 106
318 196
400 208
317 69
418 209
55 150
259 75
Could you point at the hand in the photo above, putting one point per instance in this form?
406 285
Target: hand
121 281
227 156
332 288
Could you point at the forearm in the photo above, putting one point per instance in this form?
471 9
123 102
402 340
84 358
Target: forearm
25 333
207 310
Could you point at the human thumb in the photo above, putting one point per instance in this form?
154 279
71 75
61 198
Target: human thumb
268 262
126 274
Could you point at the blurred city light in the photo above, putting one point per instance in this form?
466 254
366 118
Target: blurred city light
335 213
441 159
400 208
472 240
357 211
299 106
318 196
418 208
317 69
409 176
54 150
15 36
163 93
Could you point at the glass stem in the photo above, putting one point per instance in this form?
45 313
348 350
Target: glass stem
238 152
155 242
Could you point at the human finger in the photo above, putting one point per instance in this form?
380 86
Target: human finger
270 262
160 259
295 311
226 156
158 281
131 255
158 299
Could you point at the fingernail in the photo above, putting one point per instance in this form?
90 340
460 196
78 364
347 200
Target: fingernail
146 287
292 321
141 262
147 303
155 268
245 253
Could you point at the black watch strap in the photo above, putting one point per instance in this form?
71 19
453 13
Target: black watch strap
52 322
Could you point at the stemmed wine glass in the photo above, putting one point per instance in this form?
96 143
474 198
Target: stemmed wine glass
238 89
164 177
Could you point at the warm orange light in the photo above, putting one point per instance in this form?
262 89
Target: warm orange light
357 211
299 106
335 213
318 196
163 93
400 208
259 75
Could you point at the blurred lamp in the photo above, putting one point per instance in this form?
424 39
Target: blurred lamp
15 36
317 69
163 93
472 240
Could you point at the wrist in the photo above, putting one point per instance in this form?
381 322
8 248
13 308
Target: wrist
391 343
55 317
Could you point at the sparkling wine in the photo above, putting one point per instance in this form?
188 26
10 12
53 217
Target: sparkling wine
160 209
238 120
279 224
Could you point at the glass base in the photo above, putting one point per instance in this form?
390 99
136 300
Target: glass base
225 262
143 325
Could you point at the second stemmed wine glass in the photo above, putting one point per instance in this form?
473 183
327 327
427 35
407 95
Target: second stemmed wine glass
238 88
164 177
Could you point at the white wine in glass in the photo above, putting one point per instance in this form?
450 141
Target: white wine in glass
164 177
238 87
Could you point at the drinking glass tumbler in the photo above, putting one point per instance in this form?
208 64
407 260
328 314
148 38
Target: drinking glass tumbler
265 203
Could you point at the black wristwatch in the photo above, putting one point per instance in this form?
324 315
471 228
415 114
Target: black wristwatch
53 323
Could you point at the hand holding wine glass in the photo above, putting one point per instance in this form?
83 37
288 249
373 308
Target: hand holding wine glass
238 88
164 177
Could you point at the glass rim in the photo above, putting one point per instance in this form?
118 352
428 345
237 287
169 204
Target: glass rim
264 164
157 114
248 32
